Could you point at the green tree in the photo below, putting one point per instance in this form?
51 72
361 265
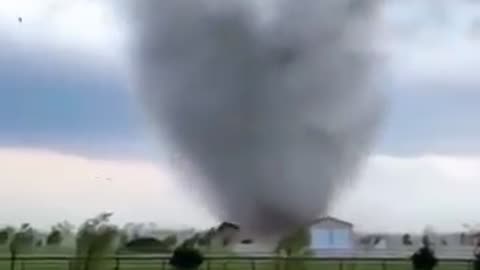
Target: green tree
22 242
122 238
38 243
204 241
66 228
407 240
192 241
170 241
5 235
55 237
294 244
95 240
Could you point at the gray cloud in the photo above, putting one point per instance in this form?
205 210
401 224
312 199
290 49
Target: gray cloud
67 101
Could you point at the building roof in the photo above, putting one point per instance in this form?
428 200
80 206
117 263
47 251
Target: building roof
329 218
226 225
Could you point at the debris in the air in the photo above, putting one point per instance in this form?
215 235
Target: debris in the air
20 20
103 178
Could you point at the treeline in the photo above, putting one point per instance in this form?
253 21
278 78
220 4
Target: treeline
131 238
98 237
95 238
64 237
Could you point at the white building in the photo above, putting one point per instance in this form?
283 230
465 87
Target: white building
331 236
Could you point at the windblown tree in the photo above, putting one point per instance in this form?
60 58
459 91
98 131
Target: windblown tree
217 239
170 241
429 236
137 230
295 244
206 239
370 241
407 240
60 238
22 242
59 232
95 240
211 240
463 239
128 231
66 228
192 242
55 237
5 235
468 237
444 242
123 238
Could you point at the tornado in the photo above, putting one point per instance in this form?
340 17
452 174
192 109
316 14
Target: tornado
276 105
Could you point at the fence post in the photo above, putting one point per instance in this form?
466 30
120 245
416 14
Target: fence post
12 261
117 263
23 263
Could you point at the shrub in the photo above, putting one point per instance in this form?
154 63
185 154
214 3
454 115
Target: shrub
185 257
54 237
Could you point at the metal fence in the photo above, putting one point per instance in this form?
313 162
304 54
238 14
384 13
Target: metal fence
227 263
458 253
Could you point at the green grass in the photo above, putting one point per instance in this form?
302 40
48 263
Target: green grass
220 264
309 265
238 265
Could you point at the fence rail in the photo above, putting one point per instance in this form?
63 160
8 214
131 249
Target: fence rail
160 262
223 257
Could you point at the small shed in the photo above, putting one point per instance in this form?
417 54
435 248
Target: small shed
329 233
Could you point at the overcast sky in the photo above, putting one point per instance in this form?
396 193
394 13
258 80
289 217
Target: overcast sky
74 141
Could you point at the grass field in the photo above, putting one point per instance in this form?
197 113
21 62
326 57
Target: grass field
236 264
62 261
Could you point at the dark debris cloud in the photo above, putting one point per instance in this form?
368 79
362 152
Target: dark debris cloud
277 114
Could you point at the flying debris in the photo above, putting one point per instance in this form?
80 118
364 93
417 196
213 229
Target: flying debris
103 178
20 20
